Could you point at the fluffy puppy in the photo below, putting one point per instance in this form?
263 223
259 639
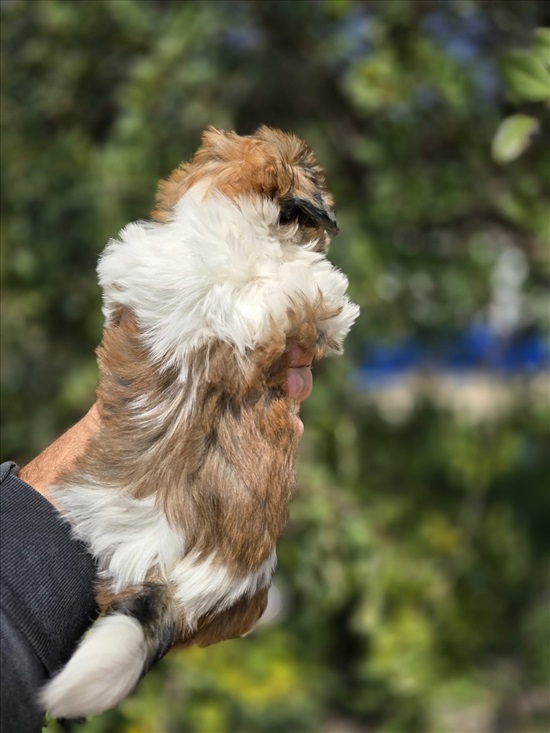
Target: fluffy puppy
182 495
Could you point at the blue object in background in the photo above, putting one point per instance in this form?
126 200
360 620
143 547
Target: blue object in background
471 349
524 354
386 362
477 348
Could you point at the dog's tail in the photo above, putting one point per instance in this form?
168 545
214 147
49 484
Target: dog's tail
113 656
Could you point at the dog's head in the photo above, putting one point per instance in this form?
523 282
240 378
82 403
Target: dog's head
270 164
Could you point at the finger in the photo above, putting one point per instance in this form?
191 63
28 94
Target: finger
299 383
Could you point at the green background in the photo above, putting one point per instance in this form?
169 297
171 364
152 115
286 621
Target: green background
415 567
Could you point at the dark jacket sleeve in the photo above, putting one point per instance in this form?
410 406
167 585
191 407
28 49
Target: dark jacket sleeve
46 598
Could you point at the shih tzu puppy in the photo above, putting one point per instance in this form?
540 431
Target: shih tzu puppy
183 493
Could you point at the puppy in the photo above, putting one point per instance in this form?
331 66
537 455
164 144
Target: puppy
182 495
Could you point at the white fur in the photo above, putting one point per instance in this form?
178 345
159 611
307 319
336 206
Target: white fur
201 585
131 536
127 536
104 669
216 271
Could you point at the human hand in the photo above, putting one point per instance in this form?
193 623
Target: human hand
299 377
61 455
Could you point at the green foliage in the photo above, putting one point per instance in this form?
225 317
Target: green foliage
527 72
416 561
527 77
513 137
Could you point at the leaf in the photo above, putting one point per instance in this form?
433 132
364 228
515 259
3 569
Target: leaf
526 77
513 137
541 45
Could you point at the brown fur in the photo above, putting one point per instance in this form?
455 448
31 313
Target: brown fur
235 621
227 467
270 164
223 472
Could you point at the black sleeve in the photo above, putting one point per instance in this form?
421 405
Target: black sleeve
46 598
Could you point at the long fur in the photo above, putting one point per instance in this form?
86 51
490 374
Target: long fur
184 492
116 649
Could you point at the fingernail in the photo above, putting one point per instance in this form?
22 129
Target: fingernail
301 381
296 383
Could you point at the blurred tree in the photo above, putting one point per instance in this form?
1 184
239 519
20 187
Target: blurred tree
416 562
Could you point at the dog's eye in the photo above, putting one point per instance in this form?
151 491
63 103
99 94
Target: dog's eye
288 215
296 214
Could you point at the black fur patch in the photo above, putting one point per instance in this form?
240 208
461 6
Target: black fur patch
145 607
151 608
308 214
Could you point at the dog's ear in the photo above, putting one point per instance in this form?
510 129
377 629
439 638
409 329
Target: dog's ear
308 213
